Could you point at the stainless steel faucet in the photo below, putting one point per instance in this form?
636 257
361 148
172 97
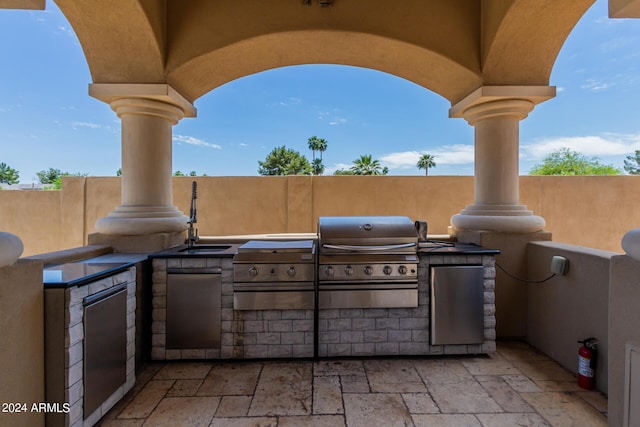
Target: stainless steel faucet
193 233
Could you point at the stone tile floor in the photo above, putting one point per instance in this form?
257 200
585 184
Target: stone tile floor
516 386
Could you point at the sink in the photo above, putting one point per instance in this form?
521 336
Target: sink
204 249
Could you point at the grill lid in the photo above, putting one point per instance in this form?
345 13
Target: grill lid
368 233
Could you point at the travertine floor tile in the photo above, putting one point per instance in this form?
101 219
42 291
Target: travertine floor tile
183 371
375 409
546 385
521 383
393 376
184 411
120 423
446 420
503 394
511 420
487 366
463 398
234 406
283 389
338 367
354 384
183 388
420 403
546 370
245 422
145 401
519 351
442 371
312 420
595 399
562 409
327 396
231 379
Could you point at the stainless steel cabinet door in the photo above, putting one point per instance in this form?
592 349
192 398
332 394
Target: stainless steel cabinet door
193 310
457 305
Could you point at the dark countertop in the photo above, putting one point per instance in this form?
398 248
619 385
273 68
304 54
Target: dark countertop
80 273
434 247
209 250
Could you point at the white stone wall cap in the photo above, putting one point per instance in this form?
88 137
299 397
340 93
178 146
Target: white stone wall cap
499 223
11 248
631 243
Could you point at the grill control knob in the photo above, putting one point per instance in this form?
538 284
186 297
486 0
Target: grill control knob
387 270
329 271
368 270
253 271
348 270
402 269
291 271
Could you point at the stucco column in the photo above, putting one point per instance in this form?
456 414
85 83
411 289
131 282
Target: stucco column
495 113
148 113
11 248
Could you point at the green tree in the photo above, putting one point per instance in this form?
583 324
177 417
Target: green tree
632 164
343 172
52 178
425 162
366 165
568 162
285 161
119 172
50 175
8 175
319 145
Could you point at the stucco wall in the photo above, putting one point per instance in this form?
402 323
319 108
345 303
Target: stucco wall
624 325
586 211
22 349
569 308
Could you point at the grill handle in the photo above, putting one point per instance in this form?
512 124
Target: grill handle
368 248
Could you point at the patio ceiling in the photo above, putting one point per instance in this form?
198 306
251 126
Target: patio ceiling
451 48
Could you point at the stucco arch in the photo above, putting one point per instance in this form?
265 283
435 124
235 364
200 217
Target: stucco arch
414 63
522 38
123 43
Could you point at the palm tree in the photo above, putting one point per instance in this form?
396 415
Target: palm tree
365 165
425 162
320 145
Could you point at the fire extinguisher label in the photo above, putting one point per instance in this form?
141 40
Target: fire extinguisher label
583 367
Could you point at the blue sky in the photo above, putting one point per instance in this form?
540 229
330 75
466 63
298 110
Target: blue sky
47 118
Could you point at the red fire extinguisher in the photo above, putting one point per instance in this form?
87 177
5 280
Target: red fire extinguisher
587 358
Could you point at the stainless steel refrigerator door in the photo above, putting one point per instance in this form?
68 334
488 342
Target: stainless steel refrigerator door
457 305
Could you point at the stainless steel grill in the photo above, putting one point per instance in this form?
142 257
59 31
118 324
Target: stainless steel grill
273 275
367 262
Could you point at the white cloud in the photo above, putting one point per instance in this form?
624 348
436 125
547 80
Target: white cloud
329 170
603 145
596 85
183 139
76 125
338 121
456 154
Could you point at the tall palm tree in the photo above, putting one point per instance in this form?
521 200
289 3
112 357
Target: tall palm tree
425 162
366 165
319 145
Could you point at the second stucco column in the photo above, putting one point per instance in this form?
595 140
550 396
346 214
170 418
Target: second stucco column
148 113
495 113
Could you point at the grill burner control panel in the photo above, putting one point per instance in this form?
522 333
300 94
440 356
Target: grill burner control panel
367 272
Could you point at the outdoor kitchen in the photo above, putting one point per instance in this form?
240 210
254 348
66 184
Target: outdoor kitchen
363 287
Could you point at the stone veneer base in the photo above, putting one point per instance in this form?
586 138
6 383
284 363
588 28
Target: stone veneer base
341 332
74 349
